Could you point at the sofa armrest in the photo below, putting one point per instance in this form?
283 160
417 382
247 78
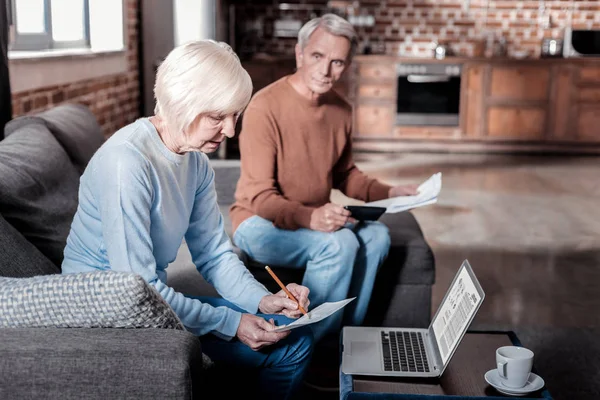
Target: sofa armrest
99 363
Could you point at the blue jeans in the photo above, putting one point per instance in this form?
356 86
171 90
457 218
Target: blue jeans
274 372
339 264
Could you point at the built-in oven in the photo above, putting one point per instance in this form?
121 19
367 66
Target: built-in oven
581 43
428 94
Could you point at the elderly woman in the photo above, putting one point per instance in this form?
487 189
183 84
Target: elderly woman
151 185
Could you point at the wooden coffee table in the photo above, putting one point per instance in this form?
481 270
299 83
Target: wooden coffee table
463 377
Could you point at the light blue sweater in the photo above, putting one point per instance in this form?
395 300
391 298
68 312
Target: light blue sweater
137 201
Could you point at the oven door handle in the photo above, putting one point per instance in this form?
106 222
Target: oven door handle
427 78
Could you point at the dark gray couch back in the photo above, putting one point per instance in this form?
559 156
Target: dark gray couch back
41 160
18 257
73 125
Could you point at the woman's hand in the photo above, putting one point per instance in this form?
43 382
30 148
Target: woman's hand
279 303
329 218
256 333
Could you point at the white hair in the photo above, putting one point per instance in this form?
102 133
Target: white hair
197 78
333 24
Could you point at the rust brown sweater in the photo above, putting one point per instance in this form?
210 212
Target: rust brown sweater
293 152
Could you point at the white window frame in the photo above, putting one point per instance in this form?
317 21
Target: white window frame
35 69
45 41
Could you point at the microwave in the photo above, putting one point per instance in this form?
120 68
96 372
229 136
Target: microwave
581 43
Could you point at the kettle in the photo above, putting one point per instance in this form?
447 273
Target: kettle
552 47
440 51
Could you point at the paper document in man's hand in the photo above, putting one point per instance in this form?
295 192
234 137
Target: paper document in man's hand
315 315
428 192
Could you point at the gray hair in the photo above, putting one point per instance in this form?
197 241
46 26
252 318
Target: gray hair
200 77
333 24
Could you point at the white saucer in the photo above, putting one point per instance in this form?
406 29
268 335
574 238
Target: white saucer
535 382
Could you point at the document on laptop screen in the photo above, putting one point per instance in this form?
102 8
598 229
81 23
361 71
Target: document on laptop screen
455 313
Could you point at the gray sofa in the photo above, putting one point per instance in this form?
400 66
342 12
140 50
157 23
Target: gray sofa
41 160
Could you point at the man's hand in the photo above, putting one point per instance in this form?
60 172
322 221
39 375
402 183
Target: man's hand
279 303
256 333
403 190
329 218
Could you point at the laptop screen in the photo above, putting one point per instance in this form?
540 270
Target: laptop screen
453 317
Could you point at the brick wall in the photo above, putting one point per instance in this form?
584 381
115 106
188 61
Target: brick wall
115 100
407 27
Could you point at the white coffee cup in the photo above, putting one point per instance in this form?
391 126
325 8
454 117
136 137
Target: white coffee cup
514 365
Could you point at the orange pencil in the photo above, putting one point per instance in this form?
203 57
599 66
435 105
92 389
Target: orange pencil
289 294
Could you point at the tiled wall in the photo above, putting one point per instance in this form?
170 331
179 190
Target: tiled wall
115 100
408 27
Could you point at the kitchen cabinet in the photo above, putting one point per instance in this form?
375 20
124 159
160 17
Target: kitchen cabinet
589 74
506 102
576 108
538 103
516 83
517 102
505 105
588 123
374 98
516 123
378 72
374 120
379 91
586 104
472 100
561 104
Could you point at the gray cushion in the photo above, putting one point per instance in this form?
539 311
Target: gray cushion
67 364
18 257
38 188
73 125
104 299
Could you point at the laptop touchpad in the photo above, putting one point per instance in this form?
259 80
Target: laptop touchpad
362 348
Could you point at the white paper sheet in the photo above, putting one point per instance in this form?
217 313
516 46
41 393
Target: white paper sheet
315 315
428 193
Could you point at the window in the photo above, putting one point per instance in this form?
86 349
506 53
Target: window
50 24
52 47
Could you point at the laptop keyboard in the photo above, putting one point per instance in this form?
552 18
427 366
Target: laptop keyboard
404 351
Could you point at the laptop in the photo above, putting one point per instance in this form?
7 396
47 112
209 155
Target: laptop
410 352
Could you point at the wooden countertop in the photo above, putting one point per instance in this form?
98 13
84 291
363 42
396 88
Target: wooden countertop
382 59
496 60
